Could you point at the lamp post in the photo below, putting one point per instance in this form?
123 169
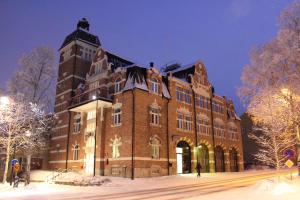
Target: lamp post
287 93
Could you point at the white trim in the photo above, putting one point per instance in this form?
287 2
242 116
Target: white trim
59 137
57 161
70 76
59 104
64 92
58 113
60 127
59 151
139 159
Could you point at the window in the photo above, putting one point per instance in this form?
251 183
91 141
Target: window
77 124
187 97
116 142
117 117
118 86
232 131
183 95
217 107
219 129
154 85
179 120
154 116
155 144
202 101
188 123
91 115
75 152
203 126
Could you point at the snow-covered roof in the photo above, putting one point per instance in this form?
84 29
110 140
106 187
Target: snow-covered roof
165 91
135 80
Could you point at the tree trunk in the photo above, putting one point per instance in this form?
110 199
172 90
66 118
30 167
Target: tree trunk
28 163
6 161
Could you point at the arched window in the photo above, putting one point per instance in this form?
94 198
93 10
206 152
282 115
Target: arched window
75 152
154 85
155 144
118 85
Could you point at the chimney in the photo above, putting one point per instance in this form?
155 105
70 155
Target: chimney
151 64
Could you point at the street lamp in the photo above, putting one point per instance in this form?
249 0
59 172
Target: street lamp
286 92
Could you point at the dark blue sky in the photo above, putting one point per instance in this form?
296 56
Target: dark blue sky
221 33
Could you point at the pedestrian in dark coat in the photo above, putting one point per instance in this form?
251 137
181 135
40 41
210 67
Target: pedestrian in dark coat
198 169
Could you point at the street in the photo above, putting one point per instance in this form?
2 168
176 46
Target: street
165 188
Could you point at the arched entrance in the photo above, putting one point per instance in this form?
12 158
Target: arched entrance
183 155
203 157
233 160
89 155
219 154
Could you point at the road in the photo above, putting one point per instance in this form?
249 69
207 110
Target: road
162 189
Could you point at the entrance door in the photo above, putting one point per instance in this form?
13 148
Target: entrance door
183 153
220 164
203 158
89 155
233 160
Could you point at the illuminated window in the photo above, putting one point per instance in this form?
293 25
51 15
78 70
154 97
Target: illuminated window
91 115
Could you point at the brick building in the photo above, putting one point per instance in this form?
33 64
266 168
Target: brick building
122 119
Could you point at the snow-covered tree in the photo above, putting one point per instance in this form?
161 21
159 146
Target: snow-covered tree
273 122
36 77
271 84
23 127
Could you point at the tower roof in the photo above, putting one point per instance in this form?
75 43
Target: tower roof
82 34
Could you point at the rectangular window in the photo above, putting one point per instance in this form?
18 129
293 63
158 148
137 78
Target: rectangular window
75 152
188 123
91 115
180 121
203 126
187 97
77 125
117 117
154 113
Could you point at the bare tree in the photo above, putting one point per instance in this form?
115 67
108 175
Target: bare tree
35 78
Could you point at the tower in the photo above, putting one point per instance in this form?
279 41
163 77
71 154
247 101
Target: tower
76 54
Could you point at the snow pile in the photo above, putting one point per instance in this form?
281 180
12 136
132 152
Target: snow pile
274 186
81 179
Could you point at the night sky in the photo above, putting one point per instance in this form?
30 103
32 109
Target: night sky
220 33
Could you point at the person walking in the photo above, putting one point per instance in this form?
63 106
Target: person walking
198 169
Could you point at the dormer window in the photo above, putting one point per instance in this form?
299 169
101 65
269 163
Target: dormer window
154 85
118 85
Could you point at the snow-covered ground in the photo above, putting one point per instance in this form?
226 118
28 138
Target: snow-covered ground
170 187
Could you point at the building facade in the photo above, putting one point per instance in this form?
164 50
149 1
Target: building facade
118 118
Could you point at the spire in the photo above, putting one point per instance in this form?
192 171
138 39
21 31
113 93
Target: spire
84 24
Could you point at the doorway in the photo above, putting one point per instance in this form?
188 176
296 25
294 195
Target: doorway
203 158
89 155
183 155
